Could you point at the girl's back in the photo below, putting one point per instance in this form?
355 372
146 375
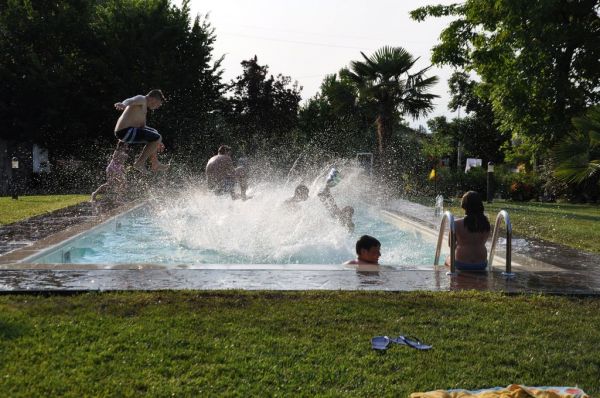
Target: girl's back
470 246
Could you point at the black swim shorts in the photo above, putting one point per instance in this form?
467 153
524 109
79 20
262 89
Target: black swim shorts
138 135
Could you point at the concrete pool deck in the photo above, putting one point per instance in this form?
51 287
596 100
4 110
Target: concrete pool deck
533 275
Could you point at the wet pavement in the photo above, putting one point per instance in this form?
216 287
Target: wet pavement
24 233
291 279
539 267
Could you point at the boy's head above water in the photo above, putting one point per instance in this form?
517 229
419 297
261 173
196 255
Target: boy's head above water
368 249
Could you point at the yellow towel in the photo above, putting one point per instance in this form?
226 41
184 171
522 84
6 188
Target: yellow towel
512 391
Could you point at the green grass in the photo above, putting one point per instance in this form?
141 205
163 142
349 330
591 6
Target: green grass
292 343
28 206
572 225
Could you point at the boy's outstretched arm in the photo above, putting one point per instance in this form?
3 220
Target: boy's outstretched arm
137 100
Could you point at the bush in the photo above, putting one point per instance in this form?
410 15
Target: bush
452 183
523 186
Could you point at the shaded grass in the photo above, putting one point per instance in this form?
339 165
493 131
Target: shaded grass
292 343
28 206
567 224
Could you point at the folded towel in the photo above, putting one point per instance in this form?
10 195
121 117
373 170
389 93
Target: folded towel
512 391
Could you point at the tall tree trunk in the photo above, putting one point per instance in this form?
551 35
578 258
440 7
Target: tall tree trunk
384 124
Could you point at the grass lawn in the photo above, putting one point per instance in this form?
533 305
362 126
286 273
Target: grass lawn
572 225
28 206
292 343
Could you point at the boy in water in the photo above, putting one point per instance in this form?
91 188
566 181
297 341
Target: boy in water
344 215
220 172
368 251
131 128
300 195
115 172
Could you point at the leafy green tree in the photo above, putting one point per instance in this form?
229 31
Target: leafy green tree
263 109
537 58
336 120
385 79
578 155
44 70
478 131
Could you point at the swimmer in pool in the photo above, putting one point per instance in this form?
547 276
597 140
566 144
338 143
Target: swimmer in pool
368 251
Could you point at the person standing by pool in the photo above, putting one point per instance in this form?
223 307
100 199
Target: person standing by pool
131 128
368 251
220 173
115 172
472 232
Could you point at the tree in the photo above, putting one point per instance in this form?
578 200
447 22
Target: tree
578 155
384 78
263 109
537 58
479 134
335 120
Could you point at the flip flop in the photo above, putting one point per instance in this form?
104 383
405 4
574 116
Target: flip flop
414 343
383 342
380 343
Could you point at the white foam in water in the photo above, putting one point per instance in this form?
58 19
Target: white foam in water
262 230
259 230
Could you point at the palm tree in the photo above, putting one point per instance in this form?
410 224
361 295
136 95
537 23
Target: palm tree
385 79
578 155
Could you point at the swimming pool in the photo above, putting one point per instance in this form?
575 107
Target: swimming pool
199 229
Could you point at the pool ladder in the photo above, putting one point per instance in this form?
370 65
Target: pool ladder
448 218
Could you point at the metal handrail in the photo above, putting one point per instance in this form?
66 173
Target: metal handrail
447 217
502 214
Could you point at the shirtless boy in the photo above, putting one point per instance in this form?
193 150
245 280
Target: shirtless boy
131 128
368 250
220 173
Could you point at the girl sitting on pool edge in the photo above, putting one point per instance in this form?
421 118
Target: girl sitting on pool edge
472 232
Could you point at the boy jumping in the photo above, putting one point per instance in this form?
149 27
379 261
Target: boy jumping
131 128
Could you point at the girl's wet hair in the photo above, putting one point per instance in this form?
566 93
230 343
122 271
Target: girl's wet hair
475 220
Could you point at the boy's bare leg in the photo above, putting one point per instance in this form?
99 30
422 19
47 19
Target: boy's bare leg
149 150
156 165
100 189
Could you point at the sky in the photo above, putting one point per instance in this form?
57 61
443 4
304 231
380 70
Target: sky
310 39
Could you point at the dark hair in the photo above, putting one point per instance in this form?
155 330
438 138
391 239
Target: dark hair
301 190
366 242
158 94
223 149
475 220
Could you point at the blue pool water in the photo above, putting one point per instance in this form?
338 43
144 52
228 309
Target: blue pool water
199 228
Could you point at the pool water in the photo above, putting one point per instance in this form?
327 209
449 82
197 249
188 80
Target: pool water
199 228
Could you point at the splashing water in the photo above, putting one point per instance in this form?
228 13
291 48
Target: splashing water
262 230
196 227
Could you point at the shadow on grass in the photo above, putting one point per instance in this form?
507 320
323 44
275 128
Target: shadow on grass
10 331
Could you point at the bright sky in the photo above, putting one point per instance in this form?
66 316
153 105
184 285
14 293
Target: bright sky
312 38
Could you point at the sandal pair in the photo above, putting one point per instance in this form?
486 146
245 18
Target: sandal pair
382 343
